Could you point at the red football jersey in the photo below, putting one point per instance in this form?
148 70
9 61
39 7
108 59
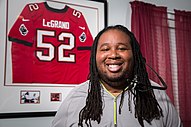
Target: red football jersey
50 45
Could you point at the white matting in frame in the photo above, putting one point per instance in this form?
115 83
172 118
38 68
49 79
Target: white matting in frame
93 12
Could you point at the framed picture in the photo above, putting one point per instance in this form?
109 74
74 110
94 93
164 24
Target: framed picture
29 97
54 32
55 97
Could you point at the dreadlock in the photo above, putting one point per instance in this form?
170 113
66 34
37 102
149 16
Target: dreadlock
146 105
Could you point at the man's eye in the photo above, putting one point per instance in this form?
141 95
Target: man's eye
122 48
104 49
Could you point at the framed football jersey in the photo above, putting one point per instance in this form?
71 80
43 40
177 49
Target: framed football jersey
46 52
50 45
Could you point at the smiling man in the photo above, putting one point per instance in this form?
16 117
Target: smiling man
114 60
118 92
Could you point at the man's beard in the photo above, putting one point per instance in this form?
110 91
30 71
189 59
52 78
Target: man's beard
115 82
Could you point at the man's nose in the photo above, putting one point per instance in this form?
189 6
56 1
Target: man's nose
114 54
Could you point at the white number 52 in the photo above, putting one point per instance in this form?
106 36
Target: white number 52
51 48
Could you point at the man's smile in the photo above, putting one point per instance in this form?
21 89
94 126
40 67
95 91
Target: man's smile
114 67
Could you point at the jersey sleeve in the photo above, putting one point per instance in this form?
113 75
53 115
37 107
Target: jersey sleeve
23 30
84 36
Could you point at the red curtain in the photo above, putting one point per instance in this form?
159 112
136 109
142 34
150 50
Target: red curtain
149 24
183 47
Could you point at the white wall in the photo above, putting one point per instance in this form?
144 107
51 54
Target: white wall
119 12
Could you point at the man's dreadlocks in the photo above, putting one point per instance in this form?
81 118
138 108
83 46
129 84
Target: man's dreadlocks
146 105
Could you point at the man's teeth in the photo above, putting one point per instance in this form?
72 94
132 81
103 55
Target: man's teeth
114 67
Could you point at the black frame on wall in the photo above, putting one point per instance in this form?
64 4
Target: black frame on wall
37 112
